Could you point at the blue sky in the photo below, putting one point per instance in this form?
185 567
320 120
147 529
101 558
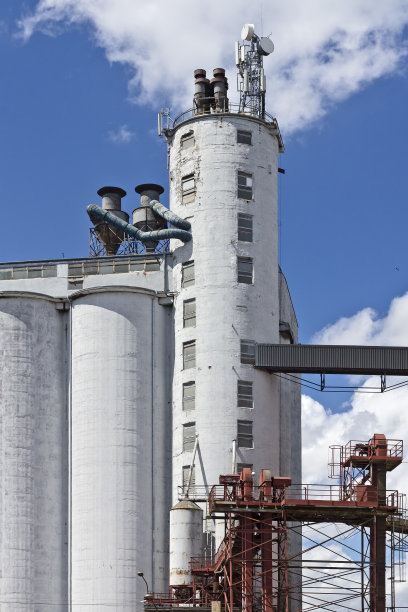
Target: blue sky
82 83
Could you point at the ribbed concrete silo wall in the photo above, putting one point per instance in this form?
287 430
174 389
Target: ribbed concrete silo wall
120 439
33 455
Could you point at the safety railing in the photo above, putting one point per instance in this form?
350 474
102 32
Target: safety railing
302 493
176 600
229 108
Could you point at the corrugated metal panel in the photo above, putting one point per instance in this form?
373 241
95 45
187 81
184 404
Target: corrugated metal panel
303 358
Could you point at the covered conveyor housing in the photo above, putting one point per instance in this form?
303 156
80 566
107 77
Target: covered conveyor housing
332 359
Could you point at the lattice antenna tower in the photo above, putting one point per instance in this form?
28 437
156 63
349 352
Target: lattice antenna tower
251 80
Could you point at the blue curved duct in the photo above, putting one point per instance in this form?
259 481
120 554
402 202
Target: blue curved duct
98 215
171 217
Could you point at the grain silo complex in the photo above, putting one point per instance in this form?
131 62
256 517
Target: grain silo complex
128 383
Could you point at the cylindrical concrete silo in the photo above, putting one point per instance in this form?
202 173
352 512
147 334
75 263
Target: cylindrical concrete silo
119 449
186 539
232 207
33 454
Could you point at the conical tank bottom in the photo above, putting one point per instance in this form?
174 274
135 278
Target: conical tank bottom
110 237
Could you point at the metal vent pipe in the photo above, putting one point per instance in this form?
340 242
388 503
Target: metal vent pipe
110 237
202 91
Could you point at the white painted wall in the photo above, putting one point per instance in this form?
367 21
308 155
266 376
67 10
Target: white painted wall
120 449
33 456
227 311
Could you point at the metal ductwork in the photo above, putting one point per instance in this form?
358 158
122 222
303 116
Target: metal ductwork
144 217
98 215
111 237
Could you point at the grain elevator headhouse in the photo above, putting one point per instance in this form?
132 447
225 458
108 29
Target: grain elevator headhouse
129 381
229 290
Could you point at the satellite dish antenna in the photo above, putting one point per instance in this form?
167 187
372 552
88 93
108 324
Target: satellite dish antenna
247 31
265 46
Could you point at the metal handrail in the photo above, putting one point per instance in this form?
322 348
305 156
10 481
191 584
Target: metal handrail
231 109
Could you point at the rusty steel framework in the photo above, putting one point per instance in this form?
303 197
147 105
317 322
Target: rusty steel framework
125 245
346 530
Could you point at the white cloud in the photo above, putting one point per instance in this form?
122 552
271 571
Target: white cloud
325 51
366 327
121 136
368 413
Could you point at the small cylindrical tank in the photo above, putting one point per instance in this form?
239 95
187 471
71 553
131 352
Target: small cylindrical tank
144 218
111 237
186 534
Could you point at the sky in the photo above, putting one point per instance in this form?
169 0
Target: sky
83 80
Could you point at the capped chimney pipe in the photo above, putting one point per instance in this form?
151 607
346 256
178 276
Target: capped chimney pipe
111 237
201 92
219 85
144 218
111 197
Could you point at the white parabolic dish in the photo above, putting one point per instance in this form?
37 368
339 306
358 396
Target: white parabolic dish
247 31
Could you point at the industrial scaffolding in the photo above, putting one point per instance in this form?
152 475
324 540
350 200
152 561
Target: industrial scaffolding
354 537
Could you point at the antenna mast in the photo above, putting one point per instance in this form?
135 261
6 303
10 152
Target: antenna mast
251 80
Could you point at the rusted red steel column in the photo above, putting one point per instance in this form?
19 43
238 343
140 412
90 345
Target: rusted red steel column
378 449
246 529
245 533
265 493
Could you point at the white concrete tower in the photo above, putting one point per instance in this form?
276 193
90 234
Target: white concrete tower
230 292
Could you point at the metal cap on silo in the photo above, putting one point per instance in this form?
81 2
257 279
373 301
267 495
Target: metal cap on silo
109 236
151 191
200 73
144 218
219 72
111 197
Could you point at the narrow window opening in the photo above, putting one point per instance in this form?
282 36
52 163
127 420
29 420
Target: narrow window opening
244 137
187 274
245 394
245 270
189 355
186 472
187 140
245 227
247 351
189 433
245 184
189 395
244 434
189 313
188 188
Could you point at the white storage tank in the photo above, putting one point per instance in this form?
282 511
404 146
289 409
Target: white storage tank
120 447
186 538
33 453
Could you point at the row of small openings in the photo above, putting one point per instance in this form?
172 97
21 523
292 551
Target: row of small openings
188 183
22 272
187 141
244 187
245 436
245 395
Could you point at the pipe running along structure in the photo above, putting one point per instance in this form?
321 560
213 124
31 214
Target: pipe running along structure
98 215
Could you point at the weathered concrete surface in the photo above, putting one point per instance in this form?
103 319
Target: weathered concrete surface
33 456
120 456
